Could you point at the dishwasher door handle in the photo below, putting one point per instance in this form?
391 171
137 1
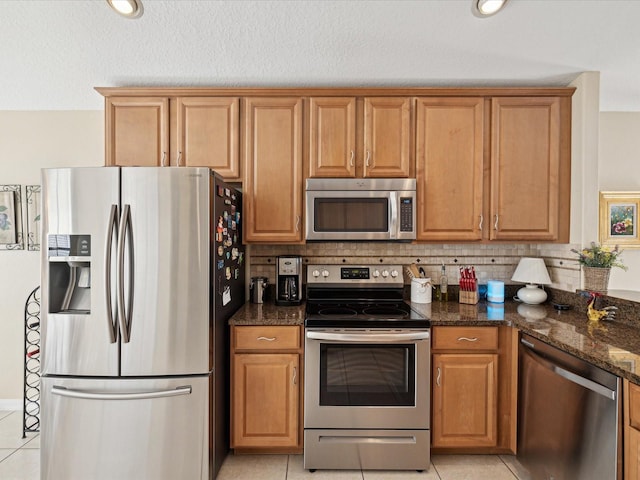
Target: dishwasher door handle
572 377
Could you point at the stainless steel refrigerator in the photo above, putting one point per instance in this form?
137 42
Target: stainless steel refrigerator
142 268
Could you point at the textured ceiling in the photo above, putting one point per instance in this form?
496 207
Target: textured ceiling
54 52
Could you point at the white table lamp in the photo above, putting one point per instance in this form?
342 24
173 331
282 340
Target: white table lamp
533 272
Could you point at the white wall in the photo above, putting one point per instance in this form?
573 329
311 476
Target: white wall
619 169
30 141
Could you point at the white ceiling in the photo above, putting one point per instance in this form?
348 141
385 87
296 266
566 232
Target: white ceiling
53 52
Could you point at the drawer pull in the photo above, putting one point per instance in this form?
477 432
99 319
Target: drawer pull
467 339
267 339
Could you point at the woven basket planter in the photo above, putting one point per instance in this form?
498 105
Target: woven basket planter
596 279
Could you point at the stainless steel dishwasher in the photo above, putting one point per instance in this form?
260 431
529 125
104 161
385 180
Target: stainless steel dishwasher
568 414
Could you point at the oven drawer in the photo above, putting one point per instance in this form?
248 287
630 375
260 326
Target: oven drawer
465 338
266 338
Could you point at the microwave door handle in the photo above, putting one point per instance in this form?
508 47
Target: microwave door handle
393 220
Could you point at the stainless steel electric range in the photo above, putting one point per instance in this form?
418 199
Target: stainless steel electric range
367 371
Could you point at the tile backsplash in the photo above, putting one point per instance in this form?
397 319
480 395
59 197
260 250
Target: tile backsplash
492 262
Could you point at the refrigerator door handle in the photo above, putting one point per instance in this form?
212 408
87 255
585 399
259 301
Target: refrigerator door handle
125 234
97 395
112 230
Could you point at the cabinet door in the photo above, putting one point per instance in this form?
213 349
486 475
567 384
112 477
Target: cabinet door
137 131
387 137
632 455
332 138
464 400
265 400
208 134
525 168
272 152
449 168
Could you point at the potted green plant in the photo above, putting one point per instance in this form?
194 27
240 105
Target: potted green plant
596 262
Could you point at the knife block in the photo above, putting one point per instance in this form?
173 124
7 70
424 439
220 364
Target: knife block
469 297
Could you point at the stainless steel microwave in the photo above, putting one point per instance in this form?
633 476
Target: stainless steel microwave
361 209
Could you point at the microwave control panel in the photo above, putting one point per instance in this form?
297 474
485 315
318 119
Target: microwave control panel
406 214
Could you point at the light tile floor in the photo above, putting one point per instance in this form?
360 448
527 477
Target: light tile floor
20 460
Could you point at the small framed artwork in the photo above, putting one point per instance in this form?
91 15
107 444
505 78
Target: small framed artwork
11 218
33 217
619 219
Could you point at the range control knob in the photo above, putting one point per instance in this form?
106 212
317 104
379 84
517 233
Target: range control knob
315 273
394 273
325 273
376 273
385 273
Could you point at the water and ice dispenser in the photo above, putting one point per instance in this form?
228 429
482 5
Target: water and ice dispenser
69 274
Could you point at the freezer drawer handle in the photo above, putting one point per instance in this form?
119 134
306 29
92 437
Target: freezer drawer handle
572 377
92 395
112 230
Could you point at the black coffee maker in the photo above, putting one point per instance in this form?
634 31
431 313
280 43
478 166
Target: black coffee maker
289 280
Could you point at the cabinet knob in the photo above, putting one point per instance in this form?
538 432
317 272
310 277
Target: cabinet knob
495 225
439 374
368 157
352 157
481 220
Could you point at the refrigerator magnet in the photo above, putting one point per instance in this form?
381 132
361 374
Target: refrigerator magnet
220 191
227 192
226 295
228 255
236 273
240 258
227 201
220 264
227 273
220 250
234 253
233 225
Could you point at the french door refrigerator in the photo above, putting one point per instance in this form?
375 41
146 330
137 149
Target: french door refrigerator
144 266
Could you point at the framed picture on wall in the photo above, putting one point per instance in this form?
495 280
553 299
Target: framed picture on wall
33 217
11 218
619 219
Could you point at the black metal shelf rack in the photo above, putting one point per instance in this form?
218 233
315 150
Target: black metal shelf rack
31 418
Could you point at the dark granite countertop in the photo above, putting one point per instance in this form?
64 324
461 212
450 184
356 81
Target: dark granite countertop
614 347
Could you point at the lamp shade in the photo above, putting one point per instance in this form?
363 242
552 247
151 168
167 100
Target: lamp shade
534 272
531 270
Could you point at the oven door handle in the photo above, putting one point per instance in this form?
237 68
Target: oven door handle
368 337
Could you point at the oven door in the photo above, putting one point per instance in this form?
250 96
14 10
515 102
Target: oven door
367 378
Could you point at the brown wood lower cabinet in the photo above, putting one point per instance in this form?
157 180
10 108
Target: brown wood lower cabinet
474 389
266 388
465 395
631 430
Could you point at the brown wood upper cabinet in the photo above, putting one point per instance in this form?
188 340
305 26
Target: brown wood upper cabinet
493 168
168 131
360 137
449 168
272 154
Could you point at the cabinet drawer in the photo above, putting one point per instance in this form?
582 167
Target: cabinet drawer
465 338
634 405
266 338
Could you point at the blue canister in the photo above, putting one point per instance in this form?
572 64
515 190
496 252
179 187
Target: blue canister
495 291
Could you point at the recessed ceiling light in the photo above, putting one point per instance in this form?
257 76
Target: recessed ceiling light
127 8
486 8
